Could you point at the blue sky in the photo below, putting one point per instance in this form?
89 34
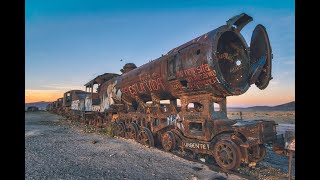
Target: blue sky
70 42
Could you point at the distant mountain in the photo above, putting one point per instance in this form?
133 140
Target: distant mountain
290 106
287 106
41 105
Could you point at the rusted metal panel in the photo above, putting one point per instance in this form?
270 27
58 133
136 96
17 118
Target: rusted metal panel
91 100
75 105
260 47
285 140
73 95
96 108
239 21
59 102
289 138
88 104
257 131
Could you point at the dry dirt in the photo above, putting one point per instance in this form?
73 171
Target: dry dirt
58 149
281 117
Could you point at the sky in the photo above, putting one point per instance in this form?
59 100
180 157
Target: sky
70 42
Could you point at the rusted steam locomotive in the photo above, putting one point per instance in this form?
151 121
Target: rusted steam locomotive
179 99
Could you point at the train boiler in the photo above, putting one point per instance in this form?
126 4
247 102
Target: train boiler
179 99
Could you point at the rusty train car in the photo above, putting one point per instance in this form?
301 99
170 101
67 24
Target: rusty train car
179 99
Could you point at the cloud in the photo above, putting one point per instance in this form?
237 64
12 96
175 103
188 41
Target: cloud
62 87
40 90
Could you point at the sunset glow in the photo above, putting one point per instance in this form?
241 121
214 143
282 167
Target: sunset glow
42 95
253 97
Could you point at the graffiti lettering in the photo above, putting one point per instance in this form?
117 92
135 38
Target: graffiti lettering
125 90
95 108
75 105
192 115
196 146
194 70
198 76
132 90
235 68
172 119
144 77
203 82
180 73
148 85
154 85
140 87
151 85
225 56
176 86
109 97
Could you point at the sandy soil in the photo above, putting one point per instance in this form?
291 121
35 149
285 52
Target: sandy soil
56 149
281 117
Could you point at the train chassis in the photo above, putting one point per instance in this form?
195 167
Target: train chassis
227 148
160 126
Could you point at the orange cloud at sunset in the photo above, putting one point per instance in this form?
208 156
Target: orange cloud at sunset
42 95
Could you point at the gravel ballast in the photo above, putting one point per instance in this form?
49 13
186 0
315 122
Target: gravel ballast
56 150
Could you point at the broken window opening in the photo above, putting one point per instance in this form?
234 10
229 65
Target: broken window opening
198 51
195 107
156 121
217 107
166 101
193 126
184 83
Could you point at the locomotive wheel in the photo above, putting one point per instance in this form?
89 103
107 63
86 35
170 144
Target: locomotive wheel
132 131
96 121
145 137
120 130
168 141
227 154
252 153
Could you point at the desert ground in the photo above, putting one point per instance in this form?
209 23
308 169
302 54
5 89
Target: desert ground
56 148
280 117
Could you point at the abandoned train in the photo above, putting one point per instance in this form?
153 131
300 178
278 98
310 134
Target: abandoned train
179 99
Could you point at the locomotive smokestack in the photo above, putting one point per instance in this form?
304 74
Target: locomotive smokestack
128 67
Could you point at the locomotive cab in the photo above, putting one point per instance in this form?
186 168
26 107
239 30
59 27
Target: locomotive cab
202 116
